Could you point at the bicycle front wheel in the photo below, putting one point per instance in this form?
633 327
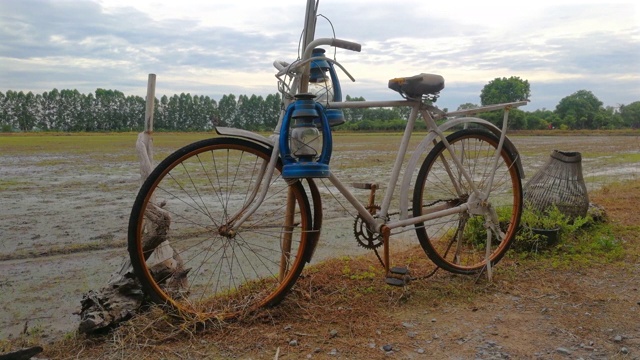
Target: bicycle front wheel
458 242
182 243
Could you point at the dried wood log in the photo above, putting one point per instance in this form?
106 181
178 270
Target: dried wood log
123 296
22 354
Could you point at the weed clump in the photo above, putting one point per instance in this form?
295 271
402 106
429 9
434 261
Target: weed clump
570 241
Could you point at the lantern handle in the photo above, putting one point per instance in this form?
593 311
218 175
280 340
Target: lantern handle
280 65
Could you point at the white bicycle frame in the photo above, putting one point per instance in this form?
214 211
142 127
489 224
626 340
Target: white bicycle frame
436 133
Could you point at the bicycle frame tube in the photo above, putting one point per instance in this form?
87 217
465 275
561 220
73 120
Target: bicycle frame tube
264 186
395 172
418 108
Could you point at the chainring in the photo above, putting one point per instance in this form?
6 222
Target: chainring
363 235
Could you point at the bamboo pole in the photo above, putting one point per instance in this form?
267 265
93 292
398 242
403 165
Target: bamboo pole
151 97
144 144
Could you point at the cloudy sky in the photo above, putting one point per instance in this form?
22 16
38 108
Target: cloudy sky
214 47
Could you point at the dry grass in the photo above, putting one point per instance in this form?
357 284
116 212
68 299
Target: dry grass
343 304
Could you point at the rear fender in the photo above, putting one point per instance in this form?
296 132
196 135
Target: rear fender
427 143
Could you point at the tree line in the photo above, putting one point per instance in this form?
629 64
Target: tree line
110 110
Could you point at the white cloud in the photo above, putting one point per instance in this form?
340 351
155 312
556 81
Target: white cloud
215 47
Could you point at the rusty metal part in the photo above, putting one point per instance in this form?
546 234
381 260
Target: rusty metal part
364 236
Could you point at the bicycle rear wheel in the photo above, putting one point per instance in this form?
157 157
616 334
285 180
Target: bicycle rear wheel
181 243
458 242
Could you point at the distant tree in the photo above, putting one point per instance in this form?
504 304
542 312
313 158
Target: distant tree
542 119
630 114
161 113
228 108
468 106
580 110
49 103
502 90
271 110
354 114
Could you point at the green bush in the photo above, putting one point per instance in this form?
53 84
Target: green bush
530 239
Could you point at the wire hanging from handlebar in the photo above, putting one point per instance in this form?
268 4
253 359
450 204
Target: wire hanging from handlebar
333 30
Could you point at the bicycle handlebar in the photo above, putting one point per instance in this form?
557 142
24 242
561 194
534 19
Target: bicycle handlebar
281 65
347 45
343 44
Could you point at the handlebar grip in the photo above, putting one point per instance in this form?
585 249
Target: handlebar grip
348 45
280 65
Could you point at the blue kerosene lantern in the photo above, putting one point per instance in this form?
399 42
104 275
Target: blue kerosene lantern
324 83
305 151
302 154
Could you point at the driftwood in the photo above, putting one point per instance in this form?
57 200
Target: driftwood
123 295
22 354
111 305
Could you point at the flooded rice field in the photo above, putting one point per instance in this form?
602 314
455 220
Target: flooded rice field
65 203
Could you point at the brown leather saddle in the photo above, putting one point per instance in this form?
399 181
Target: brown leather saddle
418 85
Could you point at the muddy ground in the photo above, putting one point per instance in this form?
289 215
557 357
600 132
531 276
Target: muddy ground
63 215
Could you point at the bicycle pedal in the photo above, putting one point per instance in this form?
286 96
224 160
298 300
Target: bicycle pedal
399 270
398 276
394 281
364 186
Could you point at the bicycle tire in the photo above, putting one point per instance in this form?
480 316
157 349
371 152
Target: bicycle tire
213 273
458 242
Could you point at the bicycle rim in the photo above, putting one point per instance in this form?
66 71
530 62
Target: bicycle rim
458 242
180 242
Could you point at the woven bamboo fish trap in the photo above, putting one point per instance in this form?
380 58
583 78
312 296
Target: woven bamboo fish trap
559 182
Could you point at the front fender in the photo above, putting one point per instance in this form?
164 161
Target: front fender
245 134
314 237
427 143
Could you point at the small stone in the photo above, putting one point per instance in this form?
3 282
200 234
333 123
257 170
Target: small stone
624 350
420 351
372 345
387 347
333 333
433 320
333 352
407 324
288 327
309 356
411 334
435 336
317 350
563 351
617 338
293 342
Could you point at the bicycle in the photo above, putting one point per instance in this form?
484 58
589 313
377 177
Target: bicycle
225 225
